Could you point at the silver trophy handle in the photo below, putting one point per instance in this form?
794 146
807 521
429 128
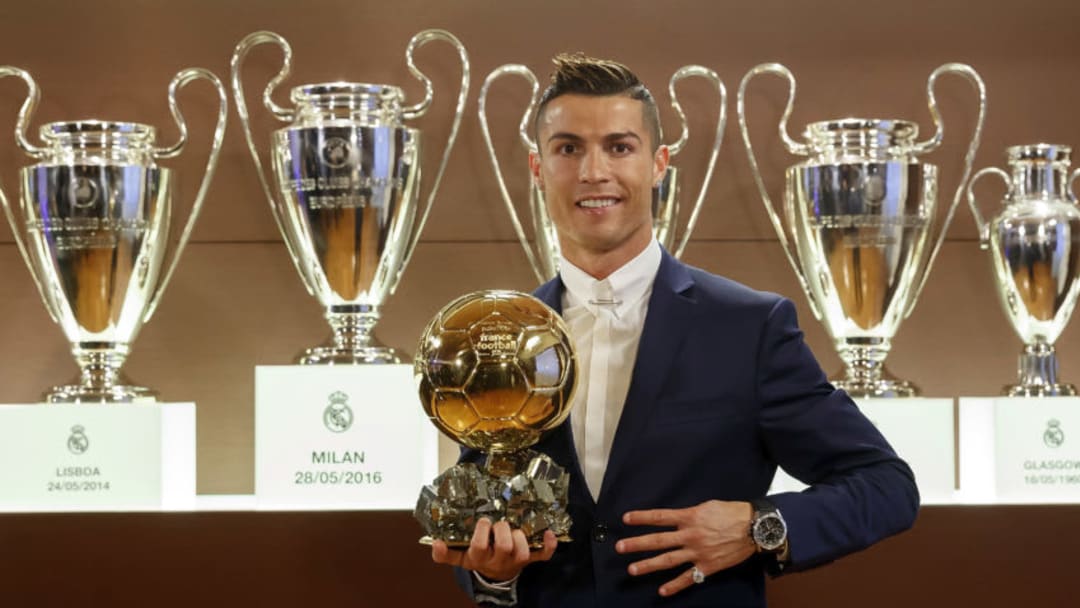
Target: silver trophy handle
969 159
283 114
515 219
793 147
721 121
418 110
980 223
33 95
14 214
1072 183
179 82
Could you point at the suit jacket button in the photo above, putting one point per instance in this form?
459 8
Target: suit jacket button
599 533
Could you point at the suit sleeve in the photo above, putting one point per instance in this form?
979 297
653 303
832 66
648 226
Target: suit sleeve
859 490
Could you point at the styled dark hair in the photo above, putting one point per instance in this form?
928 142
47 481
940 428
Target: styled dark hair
577 73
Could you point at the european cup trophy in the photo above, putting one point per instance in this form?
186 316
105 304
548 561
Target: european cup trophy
1034 243
495 370
860 211
94 229
346 190
543 255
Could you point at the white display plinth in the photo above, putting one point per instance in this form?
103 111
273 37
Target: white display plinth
81 457
923 433
341 437
1020 449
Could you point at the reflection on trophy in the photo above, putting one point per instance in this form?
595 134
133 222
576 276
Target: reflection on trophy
496 369
544 255
93 229
1034 243
860 211
347 188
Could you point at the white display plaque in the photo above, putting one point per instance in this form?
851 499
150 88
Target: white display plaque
922 431
1037 449
341 437
81 457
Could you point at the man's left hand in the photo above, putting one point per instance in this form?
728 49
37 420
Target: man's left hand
712 536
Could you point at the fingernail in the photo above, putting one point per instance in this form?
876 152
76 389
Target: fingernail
633 570
619 547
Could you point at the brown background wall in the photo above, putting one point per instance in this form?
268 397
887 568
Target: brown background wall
236 301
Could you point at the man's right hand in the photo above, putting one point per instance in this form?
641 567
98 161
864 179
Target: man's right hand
495 551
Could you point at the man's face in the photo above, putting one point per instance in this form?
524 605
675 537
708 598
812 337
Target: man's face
597 170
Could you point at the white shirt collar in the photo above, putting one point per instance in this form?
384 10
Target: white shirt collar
628 284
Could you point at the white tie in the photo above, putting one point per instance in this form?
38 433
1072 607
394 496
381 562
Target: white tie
603 307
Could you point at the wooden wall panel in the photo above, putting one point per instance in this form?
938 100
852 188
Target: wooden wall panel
849 59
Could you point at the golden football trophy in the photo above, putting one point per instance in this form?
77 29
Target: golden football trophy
495 370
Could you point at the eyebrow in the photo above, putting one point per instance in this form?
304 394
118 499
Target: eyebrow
608 138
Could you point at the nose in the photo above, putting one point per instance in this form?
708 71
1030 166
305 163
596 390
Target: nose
594 167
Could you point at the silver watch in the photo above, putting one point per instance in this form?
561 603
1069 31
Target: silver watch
768 529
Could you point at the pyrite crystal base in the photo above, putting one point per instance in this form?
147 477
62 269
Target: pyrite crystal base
533 501
865 374
352 341
100 380
1038 368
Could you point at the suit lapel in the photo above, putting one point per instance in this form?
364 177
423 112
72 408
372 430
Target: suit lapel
667 323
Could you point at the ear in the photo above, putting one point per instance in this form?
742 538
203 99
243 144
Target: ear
660 164
534 168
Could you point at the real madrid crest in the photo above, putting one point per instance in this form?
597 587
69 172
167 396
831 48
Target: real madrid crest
78 442
338 416
1053 436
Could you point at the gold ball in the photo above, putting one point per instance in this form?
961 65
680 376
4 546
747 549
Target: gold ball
495 369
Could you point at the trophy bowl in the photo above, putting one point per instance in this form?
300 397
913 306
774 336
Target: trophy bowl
495 370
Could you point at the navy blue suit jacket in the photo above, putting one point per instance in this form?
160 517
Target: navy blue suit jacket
723 391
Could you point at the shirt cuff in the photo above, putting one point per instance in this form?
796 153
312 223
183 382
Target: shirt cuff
497 593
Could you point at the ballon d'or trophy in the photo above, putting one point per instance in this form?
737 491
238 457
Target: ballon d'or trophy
93 228
860 211
495 370
1034 243
544 255
347 188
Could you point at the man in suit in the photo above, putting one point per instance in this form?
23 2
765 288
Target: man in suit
693 389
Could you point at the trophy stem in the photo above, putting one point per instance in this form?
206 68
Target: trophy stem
865 374
352 341
100 380
1038 368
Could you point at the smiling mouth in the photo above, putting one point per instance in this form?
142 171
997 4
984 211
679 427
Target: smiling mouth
597 203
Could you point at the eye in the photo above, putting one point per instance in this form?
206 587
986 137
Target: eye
567 148
621 147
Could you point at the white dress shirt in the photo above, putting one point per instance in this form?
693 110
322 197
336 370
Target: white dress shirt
605 319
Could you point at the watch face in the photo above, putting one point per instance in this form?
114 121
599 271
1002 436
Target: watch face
770 532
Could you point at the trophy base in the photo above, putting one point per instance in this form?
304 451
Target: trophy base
335 355
531 497
884 386
1039 390
461 544
116 393
1038 370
